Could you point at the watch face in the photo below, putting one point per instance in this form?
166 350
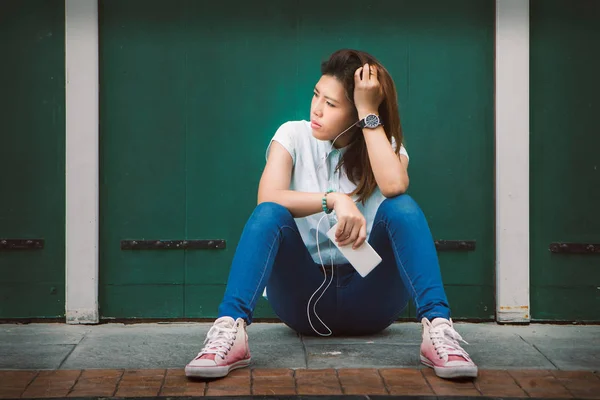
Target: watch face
371 121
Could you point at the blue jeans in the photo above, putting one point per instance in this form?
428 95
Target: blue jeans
271 253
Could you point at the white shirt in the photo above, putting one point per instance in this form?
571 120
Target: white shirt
314 171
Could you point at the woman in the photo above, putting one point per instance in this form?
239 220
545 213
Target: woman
343 166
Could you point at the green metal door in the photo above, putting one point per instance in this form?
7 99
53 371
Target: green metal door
192 92
32 153
565 159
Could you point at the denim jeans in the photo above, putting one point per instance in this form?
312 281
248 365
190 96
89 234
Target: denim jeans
271 253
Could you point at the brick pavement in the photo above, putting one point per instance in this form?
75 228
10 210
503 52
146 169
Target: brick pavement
280 382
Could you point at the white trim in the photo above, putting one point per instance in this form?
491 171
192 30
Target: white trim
82 194
512 161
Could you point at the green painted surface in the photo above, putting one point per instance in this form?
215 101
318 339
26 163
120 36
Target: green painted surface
565 162
32 153
191 94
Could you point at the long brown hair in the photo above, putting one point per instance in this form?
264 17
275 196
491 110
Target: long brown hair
342 65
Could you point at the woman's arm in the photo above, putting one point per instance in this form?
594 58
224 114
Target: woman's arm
275 183
390 170
274 187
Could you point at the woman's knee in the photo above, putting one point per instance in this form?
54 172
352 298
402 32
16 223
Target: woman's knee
269 214
402 206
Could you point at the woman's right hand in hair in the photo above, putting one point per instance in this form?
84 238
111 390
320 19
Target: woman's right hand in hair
352 225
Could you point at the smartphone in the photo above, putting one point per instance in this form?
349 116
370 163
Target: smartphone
364 259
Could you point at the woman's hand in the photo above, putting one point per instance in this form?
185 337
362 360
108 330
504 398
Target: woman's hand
352 226
368 94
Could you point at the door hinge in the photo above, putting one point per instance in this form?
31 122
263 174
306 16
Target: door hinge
21 244
575 248
455 245
211 244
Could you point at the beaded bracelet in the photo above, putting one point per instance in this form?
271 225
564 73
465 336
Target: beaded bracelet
324 203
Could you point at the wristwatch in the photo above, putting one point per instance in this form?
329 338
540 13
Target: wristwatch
369 121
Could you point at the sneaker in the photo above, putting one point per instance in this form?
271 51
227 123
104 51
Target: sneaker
440 350
225 349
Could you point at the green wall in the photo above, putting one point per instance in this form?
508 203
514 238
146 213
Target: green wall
32 153
565 157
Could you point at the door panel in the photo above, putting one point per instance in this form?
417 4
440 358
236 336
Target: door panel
142 156
565 165
248 69
32 154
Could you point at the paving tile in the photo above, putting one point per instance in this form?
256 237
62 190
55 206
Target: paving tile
52 384
33 356
132 347
177 384
494 347
274 391
100 382
267 372
273 382
498 383
447 387
10 393
365 355
101 374
138 383
360 377
148 377
361 381
318 381
237 383
404 381
571 354
181 391
232 391
581 384
365 390
14 383
259 334
398 333
311 375
558 332
277 355
540 383
42 334
133 391
569 347
16 378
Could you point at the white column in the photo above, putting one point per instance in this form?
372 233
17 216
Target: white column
512 161
81 59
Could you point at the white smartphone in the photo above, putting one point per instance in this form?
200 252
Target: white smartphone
364 259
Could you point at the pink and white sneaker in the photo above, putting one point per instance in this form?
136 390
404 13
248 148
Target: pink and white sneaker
225 349
441 351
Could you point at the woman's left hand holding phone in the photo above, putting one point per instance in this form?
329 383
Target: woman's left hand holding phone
352 225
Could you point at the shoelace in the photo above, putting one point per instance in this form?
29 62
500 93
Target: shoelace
445 340
219 340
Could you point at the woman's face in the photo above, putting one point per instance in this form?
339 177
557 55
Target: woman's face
331 112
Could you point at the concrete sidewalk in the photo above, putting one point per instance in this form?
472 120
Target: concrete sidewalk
146 361
172 345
